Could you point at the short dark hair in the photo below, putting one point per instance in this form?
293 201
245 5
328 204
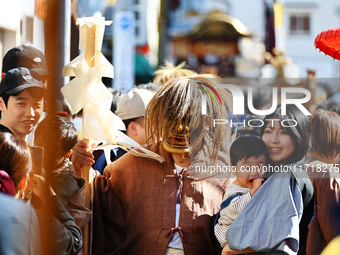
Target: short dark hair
329 105
64 132
36 93
139 120
5 97
246 147
300 134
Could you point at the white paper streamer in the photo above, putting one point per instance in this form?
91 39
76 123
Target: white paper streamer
86 91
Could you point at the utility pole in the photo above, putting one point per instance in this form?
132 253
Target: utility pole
163 27
124 46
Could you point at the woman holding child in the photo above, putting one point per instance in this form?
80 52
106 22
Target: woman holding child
287 138
290 146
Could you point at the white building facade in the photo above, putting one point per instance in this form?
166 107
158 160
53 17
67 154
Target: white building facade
303 20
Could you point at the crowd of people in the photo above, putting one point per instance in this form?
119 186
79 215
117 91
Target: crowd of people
143 206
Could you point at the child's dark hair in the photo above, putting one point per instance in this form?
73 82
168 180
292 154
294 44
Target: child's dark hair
63 129
246 147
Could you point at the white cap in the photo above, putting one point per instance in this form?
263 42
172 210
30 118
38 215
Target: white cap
133 104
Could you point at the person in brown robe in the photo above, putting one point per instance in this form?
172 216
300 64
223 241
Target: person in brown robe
142 206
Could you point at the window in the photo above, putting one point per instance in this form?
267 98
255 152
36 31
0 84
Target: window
26 29
139 10
299 24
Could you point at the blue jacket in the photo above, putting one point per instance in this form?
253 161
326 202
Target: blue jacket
270 221
19 231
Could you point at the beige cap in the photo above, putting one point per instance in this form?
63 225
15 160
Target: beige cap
133 104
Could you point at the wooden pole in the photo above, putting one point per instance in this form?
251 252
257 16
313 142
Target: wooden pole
52 36
91 60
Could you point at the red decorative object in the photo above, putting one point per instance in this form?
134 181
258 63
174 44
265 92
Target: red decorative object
143 49
329 42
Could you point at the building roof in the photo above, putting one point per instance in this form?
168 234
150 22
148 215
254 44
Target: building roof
216 25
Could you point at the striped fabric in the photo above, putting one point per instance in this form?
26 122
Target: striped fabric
229 214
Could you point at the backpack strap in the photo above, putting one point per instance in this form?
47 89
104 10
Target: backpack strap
305 185
224 204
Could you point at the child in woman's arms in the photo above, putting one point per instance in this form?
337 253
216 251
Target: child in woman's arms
247 154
